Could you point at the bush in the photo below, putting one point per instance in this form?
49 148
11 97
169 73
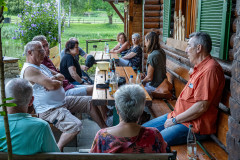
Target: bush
39 19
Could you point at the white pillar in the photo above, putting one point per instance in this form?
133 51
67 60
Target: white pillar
59 25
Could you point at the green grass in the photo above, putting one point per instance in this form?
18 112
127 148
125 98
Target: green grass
14 48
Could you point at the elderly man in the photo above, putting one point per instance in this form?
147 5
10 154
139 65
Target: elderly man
198 102
70 89
29 135
50 102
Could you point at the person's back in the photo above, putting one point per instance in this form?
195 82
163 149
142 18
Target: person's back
149 140
29 135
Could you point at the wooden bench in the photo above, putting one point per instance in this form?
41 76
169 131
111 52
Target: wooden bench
55 56
92 156
215 148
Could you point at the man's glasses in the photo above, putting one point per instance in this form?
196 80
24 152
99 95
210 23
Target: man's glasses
40 50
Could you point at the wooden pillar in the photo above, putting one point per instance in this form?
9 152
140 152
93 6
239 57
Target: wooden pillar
233 135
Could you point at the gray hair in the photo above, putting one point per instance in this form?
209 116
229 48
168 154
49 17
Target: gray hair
39 38
73 39
136 35
19 89
203 39
130 101
30 46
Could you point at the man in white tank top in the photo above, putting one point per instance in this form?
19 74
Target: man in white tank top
50 102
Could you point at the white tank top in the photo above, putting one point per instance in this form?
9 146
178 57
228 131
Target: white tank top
44 99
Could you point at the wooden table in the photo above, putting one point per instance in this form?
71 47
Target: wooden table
102 97
101 56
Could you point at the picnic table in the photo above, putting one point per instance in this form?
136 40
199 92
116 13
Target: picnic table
102 97
102 56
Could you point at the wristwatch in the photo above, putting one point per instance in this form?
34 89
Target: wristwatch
174 120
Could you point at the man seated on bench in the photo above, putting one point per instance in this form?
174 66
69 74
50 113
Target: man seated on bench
90 60
70 89
198 102
50 102
29 135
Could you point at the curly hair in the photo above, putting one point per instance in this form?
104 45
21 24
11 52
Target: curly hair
124 35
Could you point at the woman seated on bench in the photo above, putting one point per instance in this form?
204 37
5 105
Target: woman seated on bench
133 57
128 136
122 46
156 63
70 67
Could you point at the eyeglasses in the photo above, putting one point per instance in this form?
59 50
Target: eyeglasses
40 50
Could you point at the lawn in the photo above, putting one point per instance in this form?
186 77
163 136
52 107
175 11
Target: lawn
14 48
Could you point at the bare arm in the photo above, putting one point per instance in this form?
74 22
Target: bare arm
195 111
124 47
149 76
57 76
130 55
73 73
115 48
35 76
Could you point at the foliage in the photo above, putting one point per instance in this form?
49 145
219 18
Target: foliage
9 31
39 19
15 7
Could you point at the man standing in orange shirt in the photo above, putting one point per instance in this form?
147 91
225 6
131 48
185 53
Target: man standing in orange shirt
198 102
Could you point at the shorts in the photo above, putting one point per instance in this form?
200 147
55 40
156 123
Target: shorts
62 118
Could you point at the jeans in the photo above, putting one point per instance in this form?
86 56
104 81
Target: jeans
89 79
78 90
174 135
123 62
149 88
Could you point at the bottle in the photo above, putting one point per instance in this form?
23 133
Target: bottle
113 64
107 49
191 144
131 79
138 78
113 85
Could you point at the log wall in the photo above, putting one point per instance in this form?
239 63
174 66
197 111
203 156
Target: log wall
233 135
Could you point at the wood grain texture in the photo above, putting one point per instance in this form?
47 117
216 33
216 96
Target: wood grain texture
215 151
159 108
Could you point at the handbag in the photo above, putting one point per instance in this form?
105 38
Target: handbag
163 91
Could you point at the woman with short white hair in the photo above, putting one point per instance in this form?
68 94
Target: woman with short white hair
128 136
133 57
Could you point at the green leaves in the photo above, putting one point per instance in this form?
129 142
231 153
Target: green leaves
2 113
8 104
3 3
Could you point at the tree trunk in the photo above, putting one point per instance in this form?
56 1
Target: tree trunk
6 125
69 12
110 19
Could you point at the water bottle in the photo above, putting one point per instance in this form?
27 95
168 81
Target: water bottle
113 85
131 79
191 144
138 78
107 49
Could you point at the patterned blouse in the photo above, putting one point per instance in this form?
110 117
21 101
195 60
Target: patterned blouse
136 61
149 140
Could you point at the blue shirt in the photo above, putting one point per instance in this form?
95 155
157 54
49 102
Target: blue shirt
29 135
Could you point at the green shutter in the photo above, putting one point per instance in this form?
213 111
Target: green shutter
166 19
214 18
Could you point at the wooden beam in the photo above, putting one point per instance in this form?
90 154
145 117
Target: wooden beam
116 10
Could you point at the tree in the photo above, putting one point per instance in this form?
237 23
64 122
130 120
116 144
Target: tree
100 4
4 112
